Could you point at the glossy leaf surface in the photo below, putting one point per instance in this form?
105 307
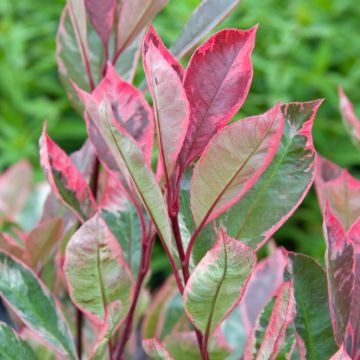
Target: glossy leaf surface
233 162
96 271
217 283
217 81
312 320
171 106
65 179
34 305
129 108
287 179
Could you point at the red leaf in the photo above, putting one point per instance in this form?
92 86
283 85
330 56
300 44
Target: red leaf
102 16
65 179
171 107
216 82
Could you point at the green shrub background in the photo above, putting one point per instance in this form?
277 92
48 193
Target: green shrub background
304 50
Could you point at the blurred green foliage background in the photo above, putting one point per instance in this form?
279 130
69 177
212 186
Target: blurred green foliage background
304 50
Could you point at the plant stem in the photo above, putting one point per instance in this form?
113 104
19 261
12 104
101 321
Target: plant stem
79 325
185 270
144 268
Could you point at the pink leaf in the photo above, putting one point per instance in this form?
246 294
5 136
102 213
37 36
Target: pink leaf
264 282
65 179
102 16
351 121
171 107
339 261
232 163
340 189
15 184
281 317
216 82
134 15
129 107
352 333
41 241
341 355
156 350
113 197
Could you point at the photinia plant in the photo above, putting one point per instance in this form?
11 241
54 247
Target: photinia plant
76 284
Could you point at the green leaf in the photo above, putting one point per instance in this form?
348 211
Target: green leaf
217 283
232 163
34 305
270 329
131 163
185 346
12 347
312 320
125 226
96 271
282 187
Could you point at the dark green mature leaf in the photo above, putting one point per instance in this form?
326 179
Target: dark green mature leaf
12 347
284 184
312 320
204 18
34 305
217 283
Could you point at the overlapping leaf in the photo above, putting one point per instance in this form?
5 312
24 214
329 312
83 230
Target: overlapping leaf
312 320
339 263
12 347
204 18
351 121
171 107
264 283
217 283
65 179
34 305
129 107
233 162
342 191
134 15
96 271
287 179
216 82
102 16
156 350
119 151
270 329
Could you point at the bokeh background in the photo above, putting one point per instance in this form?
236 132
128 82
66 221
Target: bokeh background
304 50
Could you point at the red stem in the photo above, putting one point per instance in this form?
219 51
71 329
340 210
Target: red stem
144 267
79 325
